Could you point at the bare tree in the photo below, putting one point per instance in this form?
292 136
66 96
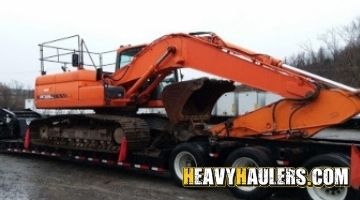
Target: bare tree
5 96
310 52
331 41
351 33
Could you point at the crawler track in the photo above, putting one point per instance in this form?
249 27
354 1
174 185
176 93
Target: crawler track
101 133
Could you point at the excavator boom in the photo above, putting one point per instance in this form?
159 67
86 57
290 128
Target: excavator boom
214 56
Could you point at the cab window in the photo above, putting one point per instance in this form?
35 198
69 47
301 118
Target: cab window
126 56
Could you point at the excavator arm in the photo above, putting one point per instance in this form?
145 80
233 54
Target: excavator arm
290 118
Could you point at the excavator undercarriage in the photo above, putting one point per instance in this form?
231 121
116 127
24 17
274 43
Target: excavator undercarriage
102 133
188 105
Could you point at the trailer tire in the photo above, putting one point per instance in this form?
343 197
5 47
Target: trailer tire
186 155
329 160
250 157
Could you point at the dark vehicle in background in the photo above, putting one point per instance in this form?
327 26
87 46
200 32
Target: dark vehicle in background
13 124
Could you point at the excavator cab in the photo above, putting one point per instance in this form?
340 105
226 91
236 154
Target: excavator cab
126 54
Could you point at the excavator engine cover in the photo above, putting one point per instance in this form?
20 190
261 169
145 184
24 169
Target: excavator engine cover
193 100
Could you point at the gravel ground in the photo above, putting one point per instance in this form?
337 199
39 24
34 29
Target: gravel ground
25 177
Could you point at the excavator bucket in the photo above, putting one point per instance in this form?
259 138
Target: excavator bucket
193 100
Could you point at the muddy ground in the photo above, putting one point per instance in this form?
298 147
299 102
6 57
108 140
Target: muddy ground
25 177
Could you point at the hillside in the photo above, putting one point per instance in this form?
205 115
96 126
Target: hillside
337 58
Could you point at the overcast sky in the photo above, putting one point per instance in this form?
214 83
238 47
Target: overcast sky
274 27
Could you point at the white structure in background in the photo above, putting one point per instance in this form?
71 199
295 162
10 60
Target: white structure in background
151 110
241 102
230 104
233 103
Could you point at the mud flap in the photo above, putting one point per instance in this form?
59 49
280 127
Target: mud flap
123 150
355 168
194 99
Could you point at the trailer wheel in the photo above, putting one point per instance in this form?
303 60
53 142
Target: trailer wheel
329 160
250 157
186 155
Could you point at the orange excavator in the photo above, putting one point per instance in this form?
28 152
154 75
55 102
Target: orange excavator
147 76
311 103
